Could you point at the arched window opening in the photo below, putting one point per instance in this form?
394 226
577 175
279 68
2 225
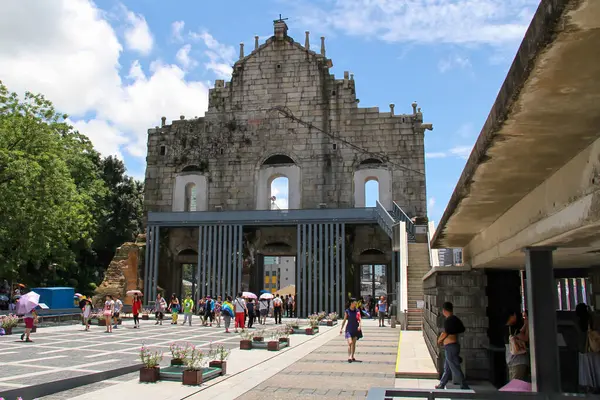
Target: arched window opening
371 161
279 193
278 159
371 192
190 197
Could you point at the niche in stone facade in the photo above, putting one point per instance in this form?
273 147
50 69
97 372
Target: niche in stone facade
277 166
372 175
190 192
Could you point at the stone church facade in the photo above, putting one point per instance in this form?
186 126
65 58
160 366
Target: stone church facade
283 114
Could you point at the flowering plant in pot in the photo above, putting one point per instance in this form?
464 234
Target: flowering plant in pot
332 318
273 344
321 315
295 324
151 359
246 342
194 364
145 314
8 322
284 336
259 335
102 319
219 356
313 321
179 353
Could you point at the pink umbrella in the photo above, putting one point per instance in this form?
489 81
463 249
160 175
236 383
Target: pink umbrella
28 302
249 295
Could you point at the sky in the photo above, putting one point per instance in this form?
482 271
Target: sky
117 67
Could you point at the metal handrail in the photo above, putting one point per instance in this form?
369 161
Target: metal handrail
385 220
400 215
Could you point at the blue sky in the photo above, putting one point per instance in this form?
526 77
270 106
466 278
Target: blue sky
117 66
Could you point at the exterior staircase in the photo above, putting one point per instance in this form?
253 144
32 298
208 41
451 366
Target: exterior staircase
418 264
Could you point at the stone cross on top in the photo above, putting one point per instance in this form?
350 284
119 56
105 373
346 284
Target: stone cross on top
280 27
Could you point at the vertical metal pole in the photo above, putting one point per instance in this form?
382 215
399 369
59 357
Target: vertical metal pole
209 258
310 267
338 284
298 262
328 247
219 260
394 286
303 299
564 301
147 263
577 290
343 255
230 254
205 241
238 285
197 292
215 256
226 230
545 372
320 280
588 294
156 259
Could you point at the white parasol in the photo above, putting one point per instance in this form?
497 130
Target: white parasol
249 295
267 296
28 302
134 292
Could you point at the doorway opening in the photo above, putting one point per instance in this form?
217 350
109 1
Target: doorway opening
371 192
279 193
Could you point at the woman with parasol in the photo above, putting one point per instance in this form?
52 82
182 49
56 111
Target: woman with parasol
26 306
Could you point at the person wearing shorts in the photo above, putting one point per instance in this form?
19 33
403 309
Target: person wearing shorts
29 320
263 309
240 312
117 313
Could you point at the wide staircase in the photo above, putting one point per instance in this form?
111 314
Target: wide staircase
419 262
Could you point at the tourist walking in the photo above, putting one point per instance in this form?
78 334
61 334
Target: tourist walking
228 314
251 313
453 326
136 307
160 306
381 310
174 309
353 329
240 312
277 309
188 309
109 310
87 312
209 309
263 310
217 312
290 306
201 304
30 319
117 312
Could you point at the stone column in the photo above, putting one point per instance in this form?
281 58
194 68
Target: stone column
465 289
543 341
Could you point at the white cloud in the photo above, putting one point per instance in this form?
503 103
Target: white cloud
424 21
68 51
452 62
435 155
431 202
137 34
221 57
183 57
177 30
461 151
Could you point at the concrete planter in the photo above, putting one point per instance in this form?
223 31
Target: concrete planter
285 340
273 345
145 317
177 361
101 322
8 331
149 375
311 331
245 344
219 364
192 378
258 339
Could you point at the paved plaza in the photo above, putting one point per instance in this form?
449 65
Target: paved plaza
68 351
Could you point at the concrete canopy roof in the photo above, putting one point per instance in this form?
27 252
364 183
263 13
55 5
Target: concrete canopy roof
547 111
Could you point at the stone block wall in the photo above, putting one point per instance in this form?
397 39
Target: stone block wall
465 289
242 128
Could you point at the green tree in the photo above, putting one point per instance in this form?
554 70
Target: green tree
48 186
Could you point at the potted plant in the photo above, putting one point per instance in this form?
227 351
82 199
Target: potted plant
246 342
179 353
151 359
332 318
219 355
192 374
313 321
295 324
259 336
321 316
145 314
284 336
273 344
8 322
102 320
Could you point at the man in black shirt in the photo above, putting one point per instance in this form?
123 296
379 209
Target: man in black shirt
453 326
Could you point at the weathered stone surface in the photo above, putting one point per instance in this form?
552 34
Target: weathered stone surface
122 273
465 289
